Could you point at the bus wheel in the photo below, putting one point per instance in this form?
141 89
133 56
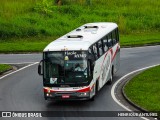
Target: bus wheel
111 78
92 99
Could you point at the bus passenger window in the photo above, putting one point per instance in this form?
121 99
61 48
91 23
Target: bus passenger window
95 51
105 44
100 48
109 41
117 35
91 54
89 50
114 37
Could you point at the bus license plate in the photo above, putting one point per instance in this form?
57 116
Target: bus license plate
65 96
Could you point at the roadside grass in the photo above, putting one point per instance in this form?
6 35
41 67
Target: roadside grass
140 39
4 67
25 45
37 44
31 19
144 89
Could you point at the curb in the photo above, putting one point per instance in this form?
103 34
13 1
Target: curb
1 73
128 100
8 71
143 45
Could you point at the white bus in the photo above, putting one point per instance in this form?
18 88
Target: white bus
77 65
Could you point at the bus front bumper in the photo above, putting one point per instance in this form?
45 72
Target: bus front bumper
67 96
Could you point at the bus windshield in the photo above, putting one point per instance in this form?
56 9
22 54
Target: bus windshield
65 67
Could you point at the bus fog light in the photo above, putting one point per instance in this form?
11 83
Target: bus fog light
47 94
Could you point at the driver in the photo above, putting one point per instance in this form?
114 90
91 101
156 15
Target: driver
80 67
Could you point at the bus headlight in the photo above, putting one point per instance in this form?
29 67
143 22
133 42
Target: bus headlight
84 94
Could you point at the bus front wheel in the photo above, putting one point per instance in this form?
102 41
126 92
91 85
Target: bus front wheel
95 90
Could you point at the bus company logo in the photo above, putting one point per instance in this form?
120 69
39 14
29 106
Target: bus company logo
71 53
80 56
6 114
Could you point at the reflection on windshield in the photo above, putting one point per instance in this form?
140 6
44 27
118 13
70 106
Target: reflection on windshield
76 71
54 67
57 70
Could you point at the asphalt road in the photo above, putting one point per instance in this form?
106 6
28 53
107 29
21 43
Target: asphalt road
22 91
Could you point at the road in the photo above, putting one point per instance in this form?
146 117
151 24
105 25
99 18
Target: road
22 91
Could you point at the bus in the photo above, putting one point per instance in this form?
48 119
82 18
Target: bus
77 65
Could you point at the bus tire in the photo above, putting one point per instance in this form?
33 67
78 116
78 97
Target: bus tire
45 98
92 99
96 90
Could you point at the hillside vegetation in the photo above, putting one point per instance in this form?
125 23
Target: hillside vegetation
42 20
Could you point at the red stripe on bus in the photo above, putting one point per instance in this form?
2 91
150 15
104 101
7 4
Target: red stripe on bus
87 89
115 53
45 89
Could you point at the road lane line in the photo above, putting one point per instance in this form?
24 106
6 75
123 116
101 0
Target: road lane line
17 70
116 83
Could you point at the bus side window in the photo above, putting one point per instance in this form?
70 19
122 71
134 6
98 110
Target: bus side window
109 41
95 51
90 51
114 37
100 48
105 46
117 35
90 69
91 54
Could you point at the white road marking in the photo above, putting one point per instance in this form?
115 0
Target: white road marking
116 83
17 70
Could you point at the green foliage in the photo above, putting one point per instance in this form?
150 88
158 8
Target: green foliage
35 18
140 39
22 18
44 7
144 89
4 67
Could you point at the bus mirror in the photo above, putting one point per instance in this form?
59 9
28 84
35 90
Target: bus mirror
40 69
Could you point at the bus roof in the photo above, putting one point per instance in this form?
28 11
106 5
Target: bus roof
81 38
